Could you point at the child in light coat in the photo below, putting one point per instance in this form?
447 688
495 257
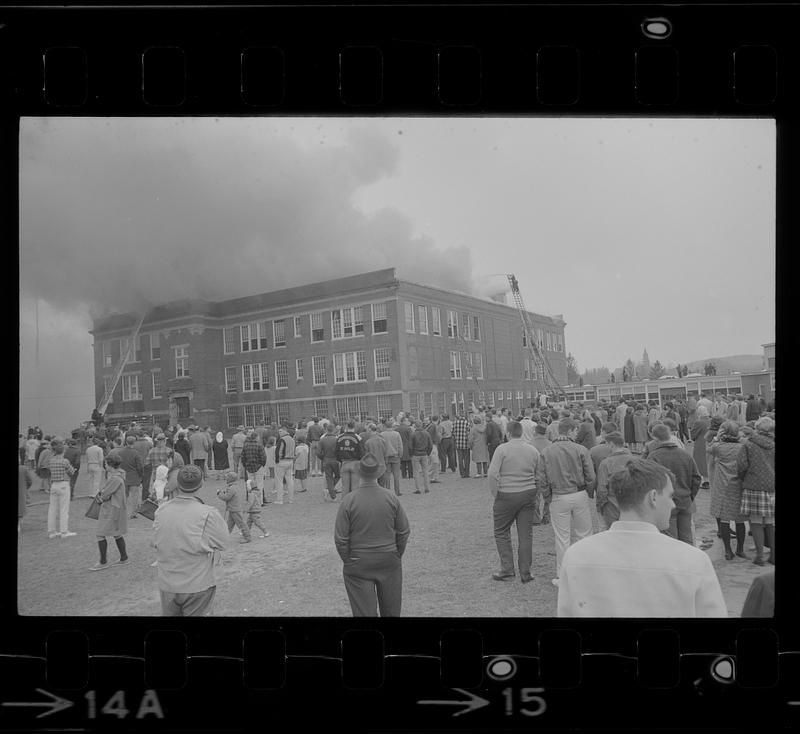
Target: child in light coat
235 498
254 509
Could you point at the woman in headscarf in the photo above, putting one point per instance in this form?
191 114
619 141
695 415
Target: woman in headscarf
113 518
756 469
698 435
726 487
219 450
182 447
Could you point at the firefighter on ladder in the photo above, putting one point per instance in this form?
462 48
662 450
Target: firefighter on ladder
514 284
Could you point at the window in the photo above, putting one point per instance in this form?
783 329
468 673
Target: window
349 367
321 408
508 396
283 411
297 330
130 388
380 324
410 318
422 319
547 341
413 398
347 322
155 346
281 374
181 361
254 336
254 376
384 406
465 327
452 324
490 399
560 342
229 339
255 414
230 379
106 385
279 333
155 377
526 370
298 368
235 416
455 365
524 338
427 402
318 374
478 365
136 354
351 407
317 332
382 359
106 351
540 338
436 315
476 329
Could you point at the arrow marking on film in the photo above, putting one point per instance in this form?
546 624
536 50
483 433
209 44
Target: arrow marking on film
55 704
474 702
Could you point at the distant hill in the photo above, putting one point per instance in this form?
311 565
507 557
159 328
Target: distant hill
732 363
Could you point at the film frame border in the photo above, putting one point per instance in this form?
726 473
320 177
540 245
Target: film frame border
739 64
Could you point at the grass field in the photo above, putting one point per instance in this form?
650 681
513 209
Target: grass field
296 571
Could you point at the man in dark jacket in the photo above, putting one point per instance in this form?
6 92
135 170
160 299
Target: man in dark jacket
253 459
753 410
132 466
326 453
686 483
421 447
73 455
494 436
405 430
349 450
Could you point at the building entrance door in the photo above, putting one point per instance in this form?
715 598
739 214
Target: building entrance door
183 408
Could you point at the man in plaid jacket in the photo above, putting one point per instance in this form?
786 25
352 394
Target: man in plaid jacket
461 429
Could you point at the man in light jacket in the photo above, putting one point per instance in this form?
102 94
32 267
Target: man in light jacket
200 445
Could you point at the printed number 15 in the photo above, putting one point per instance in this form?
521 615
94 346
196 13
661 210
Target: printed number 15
526 695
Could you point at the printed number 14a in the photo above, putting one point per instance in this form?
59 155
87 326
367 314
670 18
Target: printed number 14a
115 706
526 696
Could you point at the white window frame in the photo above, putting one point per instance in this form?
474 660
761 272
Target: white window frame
105 351
230 330
384 411
181 361
298 368
278 386
409 317
436 318
540 338
547 344
349 318
560 338
455 366
478 365
342 361
297 332
385 318
422 319
384 366
466 327
234 386
255 372
476 328
275 344
319 315
153 374
128 382
452 324
155 343
314 370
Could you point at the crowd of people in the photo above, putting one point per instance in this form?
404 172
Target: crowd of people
640 464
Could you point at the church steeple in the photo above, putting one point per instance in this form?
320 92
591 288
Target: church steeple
645 363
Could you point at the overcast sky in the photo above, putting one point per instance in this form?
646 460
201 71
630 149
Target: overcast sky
642 233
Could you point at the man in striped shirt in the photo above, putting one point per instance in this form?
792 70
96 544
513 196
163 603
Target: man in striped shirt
60 472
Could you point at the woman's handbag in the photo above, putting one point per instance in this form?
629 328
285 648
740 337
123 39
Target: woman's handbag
93 512
148 509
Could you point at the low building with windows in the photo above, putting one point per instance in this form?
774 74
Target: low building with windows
367 344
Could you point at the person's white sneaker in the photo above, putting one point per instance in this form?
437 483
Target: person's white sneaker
67 534
54 535
554 582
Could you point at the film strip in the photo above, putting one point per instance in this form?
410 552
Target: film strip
407 674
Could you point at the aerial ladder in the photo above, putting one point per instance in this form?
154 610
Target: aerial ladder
544 378
124 358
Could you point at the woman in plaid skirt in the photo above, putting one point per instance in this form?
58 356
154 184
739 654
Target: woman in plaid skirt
724 448
756 469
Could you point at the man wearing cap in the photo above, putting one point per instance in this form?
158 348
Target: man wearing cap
133 468
237 444
200 445
371 533
349 450
189 539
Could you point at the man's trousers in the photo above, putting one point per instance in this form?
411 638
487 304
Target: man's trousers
569 512
197 604
331 469
58 511
434 466
680 525
392 471
511 507
421 472
236 518
350 476
374 582
283 469
95 478
406 469
463 462
448 447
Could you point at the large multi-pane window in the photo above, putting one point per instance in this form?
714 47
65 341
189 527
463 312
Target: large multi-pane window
181 361
380 322
318 373
452 324
427 402
477 365
422 319
349 367
255 376
235 415
436 317
136 352
230 379
547 344
298 331
351 407
540 338
490 399
410 318
229 339
384 406
282 409
321 408
155 378
455 365
476 328
253 336
347 322
130 388
317 330
413 398
279 333
383 356
560 342
155 346
298 368
466 326
281 374
106 352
